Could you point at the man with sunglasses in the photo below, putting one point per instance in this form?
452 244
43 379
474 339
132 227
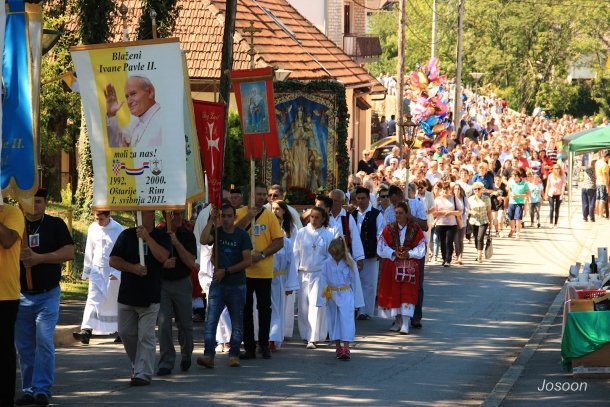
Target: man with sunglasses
276 193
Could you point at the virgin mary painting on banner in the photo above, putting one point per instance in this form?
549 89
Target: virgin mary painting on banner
307 136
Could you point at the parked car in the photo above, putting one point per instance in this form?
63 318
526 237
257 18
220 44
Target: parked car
381 148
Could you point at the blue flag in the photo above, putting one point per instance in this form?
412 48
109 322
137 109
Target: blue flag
18 137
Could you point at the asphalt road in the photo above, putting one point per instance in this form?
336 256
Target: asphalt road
477 319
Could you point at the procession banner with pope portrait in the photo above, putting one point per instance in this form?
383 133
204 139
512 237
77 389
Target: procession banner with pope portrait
133 98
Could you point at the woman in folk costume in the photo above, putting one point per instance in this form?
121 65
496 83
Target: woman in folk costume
285 279
400 245
310 252
342 294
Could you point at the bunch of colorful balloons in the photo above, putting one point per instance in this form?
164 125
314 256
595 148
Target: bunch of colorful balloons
426 95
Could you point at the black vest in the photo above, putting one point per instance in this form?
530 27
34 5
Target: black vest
368 232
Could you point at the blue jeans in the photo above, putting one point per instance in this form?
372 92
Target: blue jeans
234 298
588 203
34 331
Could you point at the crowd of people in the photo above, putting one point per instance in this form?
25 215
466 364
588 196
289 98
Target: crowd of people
357 253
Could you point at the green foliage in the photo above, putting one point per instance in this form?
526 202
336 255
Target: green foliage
167 13
66 195
94 17
236 167
600 93
518 45
84 192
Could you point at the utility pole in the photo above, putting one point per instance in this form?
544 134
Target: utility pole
457 102
400 91
434 19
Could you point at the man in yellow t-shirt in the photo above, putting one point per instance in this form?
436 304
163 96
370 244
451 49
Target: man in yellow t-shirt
268 239
12 225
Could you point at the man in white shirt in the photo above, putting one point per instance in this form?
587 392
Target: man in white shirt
434 175
370 223
145 127
276 193
345 226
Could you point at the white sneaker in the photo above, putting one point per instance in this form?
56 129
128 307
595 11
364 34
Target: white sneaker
311 345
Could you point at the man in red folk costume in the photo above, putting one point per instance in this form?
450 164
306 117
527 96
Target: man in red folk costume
400 245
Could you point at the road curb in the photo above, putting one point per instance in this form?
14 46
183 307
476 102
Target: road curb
512 374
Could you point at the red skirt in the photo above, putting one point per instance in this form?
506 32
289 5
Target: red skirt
391 293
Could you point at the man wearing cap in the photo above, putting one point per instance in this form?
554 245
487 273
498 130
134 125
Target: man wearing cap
49 245
11 230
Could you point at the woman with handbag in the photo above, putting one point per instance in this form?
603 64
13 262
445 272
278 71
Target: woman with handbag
448 218
480 217
400 245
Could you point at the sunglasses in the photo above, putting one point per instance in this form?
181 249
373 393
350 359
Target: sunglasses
476 189
383 196
273 195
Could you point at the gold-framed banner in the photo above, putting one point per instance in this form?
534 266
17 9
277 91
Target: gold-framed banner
133 95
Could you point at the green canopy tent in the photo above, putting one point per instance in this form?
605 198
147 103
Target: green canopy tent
584 142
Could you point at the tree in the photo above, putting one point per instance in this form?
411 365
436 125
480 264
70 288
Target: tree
94 17
167 13
518 45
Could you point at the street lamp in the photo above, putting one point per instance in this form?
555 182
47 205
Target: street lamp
477 77
408 137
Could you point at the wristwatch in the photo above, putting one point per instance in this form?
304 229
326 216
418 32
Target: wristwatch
263 255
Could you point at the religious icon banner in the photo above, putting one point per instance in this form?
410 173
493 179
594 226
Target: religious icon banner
133 97
254 95
210 121
306 124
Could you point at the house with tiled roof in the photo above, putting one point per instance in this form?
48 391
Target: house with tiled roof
287 40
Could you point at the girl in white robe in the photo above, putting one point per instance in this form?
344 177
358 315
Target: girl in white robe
310 253
342 295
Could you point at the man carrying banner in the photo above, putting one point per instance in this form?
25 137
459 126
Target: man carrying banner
11 230
50 244
145 128
140 293
268 239
176 290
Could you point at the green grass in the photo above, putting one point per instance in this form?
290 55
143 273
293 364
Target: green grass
73 289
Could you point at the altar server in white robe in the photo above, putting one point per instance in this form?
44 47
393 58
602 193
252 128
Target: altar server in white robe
100 314
285 279
310 252
342 294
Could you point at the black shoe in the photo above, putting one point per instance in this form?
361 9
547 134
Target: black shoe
185 365
84 335
118 339
266 352
41 400
137 381
247 355
163 371
25 400
416 324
